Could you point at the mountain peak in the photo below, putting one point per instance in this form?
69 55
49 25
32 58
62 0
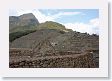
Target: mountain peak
27 16
22 22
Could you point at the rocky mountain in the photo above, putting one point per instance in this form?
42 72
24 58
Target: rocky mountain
51 34
23 22
51 43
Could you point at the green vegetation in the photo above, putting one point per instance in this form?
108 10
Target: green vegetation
52 25
18 34
22 28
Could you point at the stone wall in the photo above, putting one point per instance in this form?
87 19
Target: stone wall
60 60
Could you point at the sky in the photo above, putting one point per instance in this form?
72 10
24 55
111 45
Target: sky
81 20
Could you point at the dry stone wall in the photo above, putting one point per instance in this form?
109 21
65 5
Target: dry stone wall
18 59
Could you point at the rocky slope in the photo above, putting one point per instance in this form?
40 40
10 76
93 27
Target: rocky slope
45 39
52 40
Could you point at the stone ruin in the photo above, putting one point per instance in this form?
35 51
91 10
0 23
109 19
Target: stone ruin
27 58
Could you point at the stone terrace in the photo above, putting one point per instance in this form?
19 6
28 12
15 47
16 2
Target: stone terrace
26 58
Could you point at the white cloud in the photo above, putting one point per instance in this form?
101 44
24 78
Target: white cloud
58 15
42 17
95 22
91 27
71 13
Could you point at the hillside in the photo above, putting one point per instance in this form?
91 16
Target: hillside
50 44
31 39
53 25
61 41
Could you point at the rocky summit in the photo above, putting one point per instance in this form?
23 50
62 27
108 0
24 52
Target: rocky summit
22 22
50 45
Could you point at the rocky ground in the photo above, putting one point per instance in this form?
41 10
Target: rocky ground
22 58
52 49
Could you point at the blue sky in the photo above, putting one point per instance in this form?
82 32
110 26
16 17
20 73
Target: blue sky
82 20
84 15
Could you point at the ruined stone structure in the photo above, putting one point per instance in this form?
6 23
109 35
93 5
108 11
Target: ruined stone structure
26 58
